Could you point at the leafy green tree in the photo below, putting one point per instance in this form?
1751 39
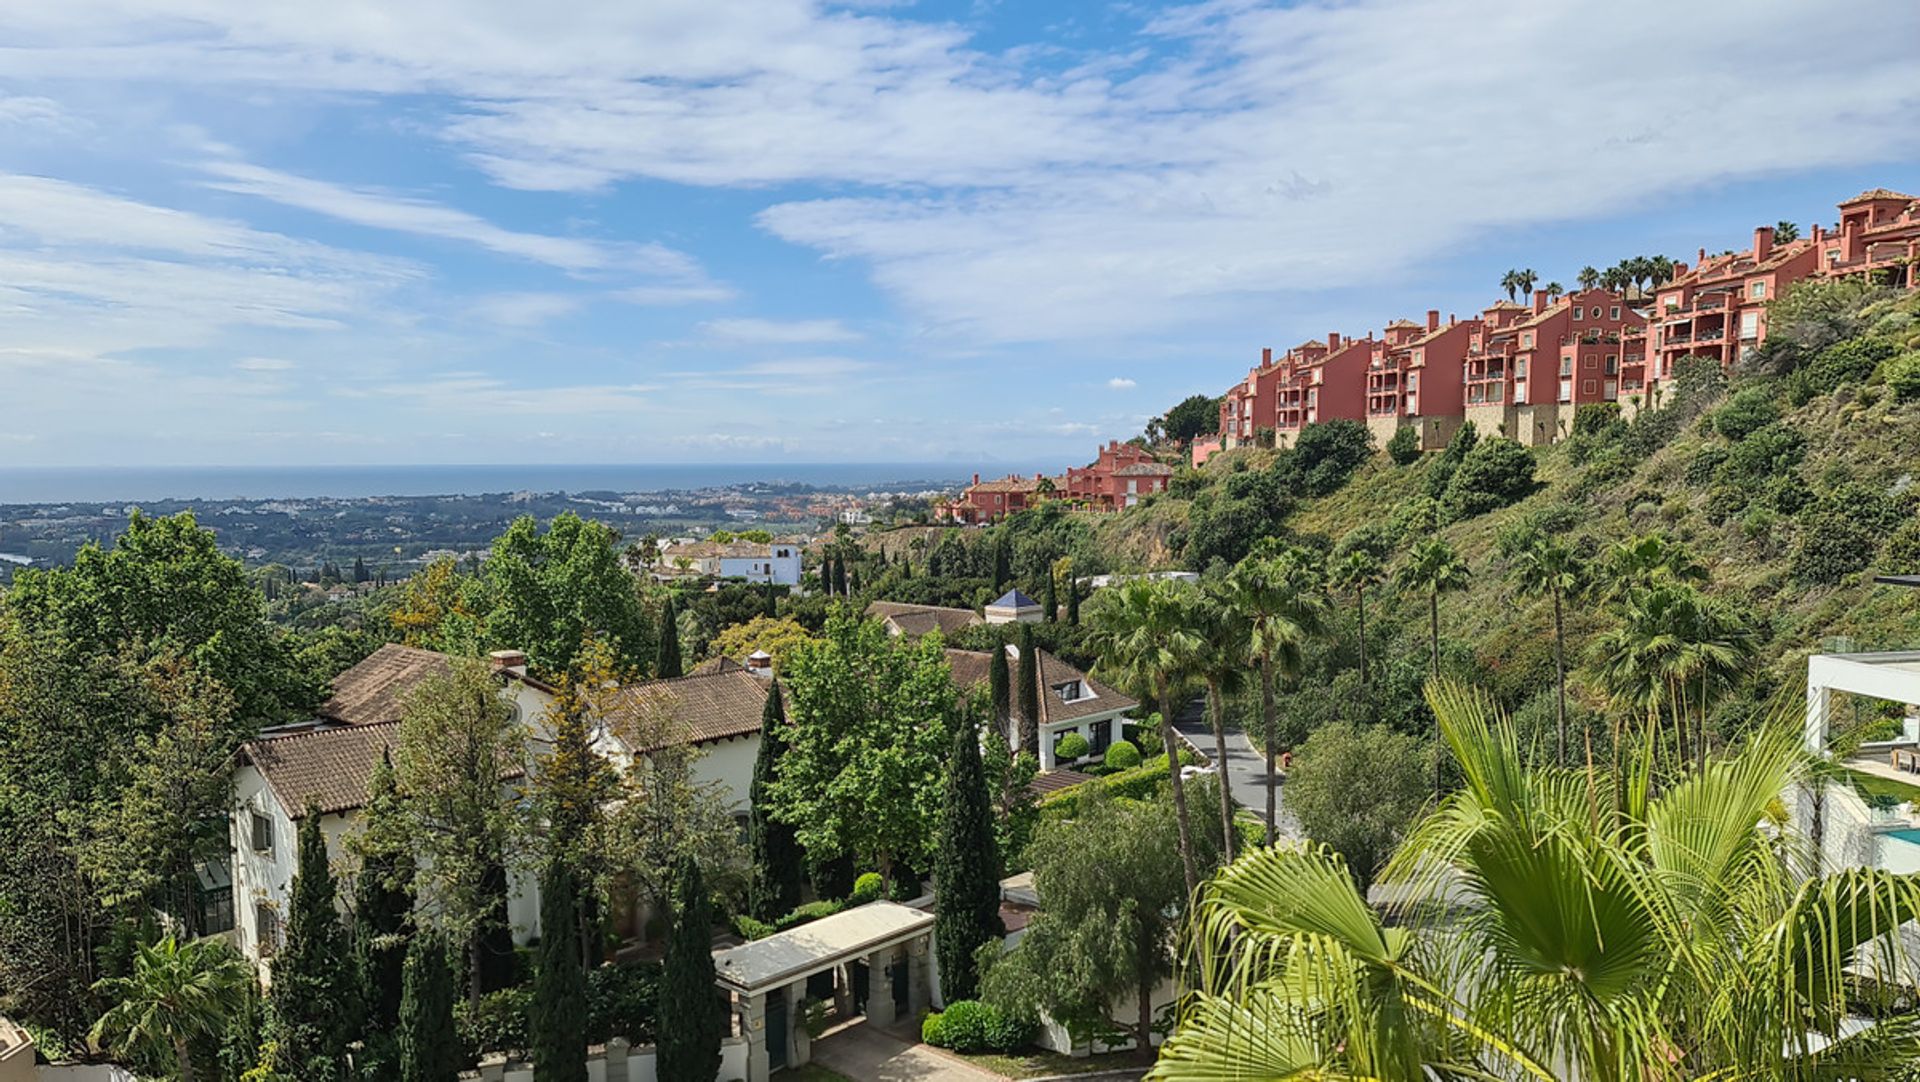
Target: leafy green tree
1002 557
1495 473
1677 908
315 1001
557 1021
1196 415
1278 598
1404 446
1324 456
457 744
690 1018
1073 589
575 784
1028 681
547 592
666 663
966 864
429 1046
1357 790
1143 632
779 868
1115 896
383 906
165 588
175 996
1544 565
867 744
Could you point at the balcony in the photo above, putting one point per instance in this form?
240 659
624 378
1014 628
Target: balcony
1588 338
1711 334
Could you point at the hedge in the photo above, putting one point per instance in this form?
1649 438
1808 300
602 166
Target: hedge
971 1026
1137 784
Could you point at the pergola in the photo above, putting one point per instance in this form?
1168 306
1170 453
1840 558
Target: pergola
768 977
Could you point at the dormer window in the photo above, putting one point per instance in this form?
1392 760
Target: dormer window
1071 692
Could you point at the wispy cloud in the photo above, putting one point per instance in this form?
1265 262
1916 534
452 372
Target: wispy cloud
264 364
1121 383
748 331
526 309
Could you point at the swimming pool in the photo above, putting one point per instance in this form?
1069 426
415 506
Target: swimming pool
1910 836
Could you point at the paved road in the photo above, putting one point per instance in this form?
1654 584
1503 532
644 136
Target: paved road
866 1053
1246 769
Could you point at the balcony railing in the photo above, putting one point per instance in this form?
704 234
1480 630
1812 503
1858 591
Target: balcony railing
1588 338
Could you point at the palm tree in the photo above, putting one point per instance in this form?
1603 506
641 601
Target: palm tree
1279 597
1223 666
1523 281
177 993
1615 279
1646 560
1675 652
1785 232
1555 291
1543 565
1510 282
1433 566
1588 277
1660 270
1359 571
1144 634
1672 937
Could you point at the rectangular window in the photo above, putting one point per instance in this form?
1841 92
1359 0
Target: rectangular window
1759 291
266 928
1102 736
262 834
1612 390
1614 312
1526 340
1566 366
1520 369
1613 363
1579 312
1749 324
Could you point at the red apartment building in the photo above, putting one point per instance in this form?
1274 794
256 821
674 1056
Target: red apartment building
1528 369
1118 477
1879 235
1718 307
990 501
1416 376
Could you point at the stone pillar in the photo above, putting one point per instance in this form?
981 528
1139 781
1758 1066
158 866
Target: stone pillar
1818 697
799 1041
753 1024
843 992
880 988
920 975
493 1068
617 1059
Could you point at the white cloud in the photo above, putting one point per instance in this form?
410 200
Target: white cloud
472 393
663 296
264 364
525 309
1121 383
748 331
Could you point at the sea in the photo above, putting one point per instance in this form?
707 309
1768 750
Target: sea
77 484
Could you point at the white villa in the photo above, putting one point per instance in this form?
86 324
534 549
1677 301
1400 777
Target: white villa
1070 700
777 562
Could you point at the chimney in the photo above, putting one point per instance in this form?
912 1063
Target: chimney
1333 341
1679 270
1851 244
508 661
1762 243
976 478
1266 356
1433 319
1819 233
760 663
1701 258
1452 319
1539 301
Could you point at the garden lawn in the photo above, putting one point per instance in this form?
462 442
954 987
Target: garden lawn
1875 785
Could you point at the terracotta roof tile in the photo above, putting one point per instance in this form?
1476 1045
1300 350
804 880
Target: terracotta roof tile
1006 484
373 690
327 768
917 620
1875 193
1144 469
970 669
698 709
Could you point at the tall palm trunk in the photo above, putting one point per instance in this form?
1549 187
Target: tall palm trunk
1560 675
1269 723
1218 708
181 1054
1170 742
1433 623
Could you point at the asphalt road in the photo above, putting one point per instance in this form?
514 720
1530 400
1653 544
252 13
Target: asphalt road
1246 769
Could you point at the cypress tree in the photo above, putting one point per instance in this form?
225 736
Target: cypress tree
315 991
360 570
667 664
1048 600
1073 601
772 609
966 870
428 1045
383 903
1029 692
777 865
557 1022
493 939
1001 560
1000 689
840 576
690 1020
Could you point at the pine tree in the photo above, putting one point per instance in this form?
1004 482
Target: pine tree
316 997
1000 689
777 864
383 903
428 1044
557 1022
667 664
1029 692
966 871
690 1019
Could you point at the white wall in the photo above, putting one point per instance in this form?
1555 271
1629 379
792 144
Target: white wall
639 1066
729 764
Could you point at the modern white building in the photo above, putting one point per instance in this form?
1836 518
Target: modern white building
777 562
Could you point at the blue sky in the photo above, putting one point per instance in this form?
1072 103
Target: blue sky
453 231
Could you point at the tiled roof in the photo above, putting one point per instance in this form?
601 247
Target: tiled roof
696 709
970 670
706 550
1053 781
1144 469
1013 599
1403 323
1875 193
1006 484
1504 304
917 620
327 768
374 690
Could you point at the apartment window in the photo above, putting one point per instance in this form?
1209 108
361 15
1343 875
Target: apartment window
1612 390
1614 312
1526 340
266 928
1579 312
1613 363
1566 366
1749 324
1758 291
1520 369
262 834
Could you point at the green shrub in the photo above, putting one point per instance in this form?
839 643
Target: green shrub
496 1022
971 1026
866 889
809 912
1497 472
1841 534
1404 447
1324 455
1902 554
623 1001
1071 746
1749 410
1902 375
1122 755
1764 453
748 928
1851 361
1701 471
1415 516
